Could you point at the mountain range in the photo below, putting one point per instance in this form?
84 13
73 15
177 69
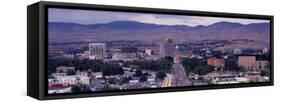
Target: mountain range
132 30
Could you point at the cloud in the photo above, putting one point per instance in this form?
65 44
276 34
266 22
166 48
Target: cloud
189 20
83 16
195 20
152 18
94 17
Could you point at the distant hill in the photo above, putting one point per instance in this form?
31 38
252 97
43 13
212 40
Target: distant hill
131 30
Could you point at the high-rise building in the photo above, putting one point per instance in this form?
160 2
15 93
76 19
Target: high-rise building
97 50
166 47
248 62
252 62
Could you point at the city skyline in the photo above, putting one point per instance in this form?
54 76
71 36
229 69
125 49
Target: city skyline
126 54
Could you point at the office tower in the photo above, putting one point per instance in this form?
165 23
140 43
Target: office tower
166 47
97 50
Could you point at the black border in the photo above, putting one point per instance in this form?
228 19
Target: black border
43 16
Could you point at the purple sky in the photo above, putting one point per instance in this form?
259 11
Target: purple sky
94 17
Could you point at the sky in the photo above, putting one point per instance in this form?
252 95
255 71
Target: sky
95 17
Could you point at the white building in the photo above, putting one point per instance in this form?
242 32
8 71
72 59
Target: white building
148 51
237 51
58 74
124 56
63 78
97 50
82 56
151 80
133 81
60 90
129 73
81 74
265 50
97 75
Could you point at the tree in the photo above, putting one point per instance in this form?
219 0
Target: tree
196 66
111 81
85 88
111 69
161 75
169 58
143 78
126 79
80 88
190 64
201 70
232 65
242 69
75 88
138 73
96 65
107 88
72 72
266 70
267 66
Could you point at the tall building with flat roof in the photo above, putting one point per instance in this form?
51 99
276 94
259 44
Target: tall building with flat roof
166 47
248 62
252 62
97 50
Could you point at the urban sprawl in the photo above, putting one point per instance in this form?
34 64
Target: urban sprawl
123 65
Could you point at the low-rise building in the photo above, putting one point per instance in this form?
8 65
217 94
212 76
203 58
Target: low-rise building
134 81
148 51
124 56
58 74
63 78
261 64
97 75
237 51
64 69
82 74
265 50
216 62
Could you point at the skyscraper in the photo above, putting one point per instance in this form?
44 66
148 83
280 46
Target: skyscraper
166 47
97 50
